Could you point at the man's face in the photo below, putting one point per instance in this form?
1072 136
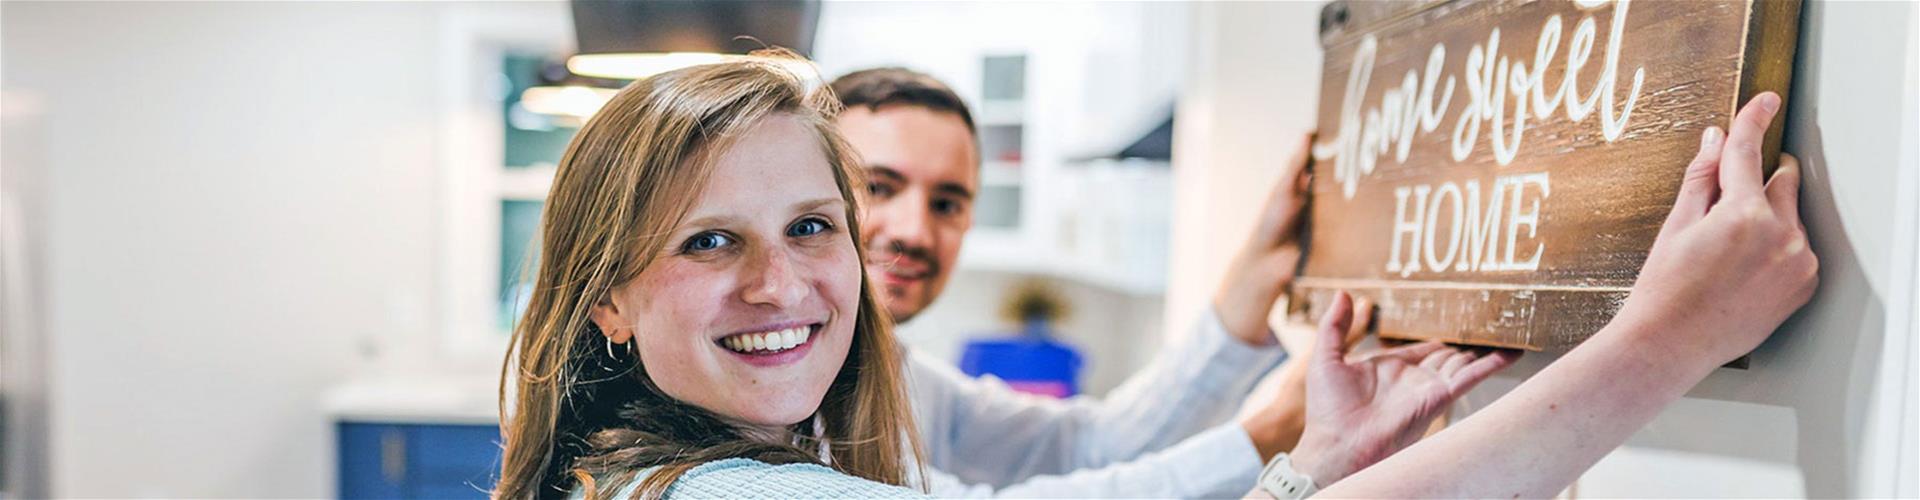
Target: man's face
923 170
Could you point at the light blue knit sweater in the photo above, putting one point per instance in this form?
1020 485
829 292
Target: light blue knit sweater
747 478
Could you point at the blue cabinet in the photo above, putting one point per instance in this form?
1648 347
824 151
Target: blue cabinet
406 460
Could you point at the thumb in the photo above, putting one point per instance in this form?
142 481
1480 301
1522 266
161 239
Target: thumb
1330 346
1362 320
1701 185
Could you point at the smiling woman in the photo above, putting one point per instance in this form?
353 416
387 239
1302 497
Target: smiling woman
702 298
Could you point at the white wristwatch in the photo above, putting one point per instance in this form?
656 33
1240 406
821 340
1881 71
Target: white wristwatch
1284 483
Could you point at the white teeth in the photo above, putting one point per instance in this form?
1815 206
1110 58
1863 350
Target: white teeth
770 341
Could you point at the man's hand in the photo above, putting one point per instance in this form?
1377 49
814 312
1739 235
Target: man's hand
1263 268
1361 411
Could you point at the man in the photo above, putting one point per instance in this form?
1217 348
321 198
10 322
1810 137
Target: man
1162 433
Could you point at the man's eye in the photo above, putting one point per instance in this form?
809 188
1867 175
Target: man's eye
880 190
808 227
704 242
946 207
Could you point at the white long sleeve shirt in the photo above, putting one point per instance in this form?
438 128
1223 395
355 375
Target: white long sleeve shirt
1162 433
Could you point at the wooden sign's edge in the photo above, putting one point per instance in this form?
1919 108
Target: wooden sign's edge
1341 17
1772 38
1766 64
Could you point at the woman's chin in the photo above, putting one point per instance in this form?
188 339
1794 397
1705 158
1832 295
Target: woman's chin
776 409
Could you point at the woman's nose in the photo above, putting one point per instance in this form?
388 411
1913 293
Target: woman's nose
776 282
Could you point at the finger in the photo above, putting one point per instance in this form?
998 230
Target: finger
1783 190
1289 195
1362 320
1436 358
1701 185
1740 160
1328 348
1454 364
1477 371
1411 353
1296 167
1288 253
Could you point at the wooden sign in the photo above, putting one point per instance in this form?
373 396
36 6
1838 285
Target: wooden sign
1493 172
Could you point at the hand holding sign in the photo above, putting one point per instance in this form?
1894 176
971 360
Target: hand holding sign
1262 269
1732 260
1730 263
1360 411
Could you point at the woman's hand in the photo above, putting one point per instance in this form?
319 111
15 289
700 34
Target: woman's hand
1276 426
1361 411
1732 261
1262 269
1730 264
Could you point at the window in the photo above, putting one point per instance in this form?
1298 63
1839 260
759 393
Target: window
496 163
532 144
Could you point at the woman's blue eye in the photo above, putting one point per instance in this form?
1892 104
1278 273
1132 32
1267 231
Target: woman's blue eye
808 227
706 241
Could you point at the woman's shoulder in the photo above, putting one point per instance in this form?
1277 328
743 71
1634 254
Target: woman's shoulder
748 478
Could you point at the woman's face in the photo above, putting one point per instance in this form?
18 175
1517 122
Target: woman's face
748 311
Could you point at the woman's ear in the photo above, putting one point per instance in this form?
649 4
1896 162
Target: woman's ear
612 321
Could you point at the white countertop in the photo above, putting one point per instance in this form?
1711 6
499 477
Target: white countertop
416 399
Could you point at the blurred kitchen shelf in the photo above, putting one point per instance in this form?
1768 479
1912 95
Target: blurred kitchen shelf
420 398
1000 251
526 183
1000 112
994 173
1103 223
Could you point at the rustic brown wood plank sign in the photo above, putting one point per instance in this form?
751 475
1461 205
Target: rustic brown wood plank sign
1493 172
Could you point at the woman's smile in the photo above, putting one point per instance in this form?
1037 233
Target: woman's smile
771 346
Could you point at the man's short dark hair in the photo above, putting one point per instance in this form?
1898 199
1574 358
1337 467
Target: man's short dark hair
880 87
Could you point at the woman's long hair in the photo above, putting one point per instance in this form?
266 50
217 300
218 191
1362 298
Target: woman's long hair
572 409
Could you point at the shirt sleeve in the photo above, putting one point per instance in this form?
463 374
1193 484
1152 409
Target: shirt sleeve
982 432
1218 463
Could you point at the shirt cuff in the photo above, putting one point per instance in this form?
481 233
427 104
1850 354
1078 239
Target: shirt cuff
1234 358
1230 465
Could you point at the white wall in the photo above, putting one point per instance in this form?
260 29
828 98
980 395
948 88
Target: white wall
238 212
1827 408
1251 83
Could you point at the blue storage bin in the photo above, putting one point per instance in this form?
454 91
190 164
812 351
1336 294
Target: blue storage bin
1029 364
381 460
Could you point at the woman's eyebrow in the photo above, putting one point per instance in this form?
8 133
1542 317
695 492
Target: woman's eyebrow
811 205
722 220
709 221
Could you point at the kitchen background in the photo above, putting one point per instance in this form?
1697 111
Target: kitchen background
260 249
